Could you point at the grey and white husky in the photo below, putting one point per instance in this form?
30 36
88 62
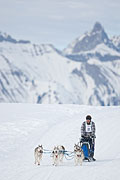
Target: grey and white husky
58 154
38 153
78 155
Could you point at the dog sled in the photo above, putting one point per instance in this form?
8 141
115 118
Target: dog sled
88 153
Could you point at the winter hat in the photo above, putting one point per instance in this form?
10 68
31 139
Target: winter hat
88 117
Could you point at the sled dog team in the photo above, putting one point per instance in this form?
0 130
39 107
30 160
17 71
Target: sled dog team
88 130
58 154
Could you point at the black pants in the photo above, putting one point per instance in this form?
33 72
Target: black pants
91 142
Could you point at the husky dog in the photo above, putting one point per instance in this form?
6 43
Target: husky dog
61 152
78 155
55 155
38 153
58 154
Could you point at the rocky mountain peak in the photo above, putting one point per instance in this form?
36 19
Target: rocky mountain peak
90 40
97 27
7 38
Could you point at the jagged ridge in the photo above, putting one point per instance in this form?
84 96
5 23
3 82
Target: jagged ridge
41 74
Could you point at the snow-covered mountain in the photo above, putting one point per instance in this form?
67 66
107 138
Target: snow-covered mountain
87 72
24 126
89 40
8 38
116 41
93 44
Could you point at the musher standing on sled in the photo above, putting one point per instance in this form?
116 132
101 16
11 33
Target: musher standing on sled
88 134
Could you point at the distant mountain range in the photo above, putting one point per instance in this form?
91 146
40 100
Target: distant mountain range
4 37
86 72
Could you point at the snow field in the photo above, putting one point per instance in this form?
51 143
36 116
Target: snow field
24 126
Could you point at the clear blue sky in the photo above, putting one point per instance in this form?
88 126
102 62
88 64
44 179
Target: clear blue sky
57 21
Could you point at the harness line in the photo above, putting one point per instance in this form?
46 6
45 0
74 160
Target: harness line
69 154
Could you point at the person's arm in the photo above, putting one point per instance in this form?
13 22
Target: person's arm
93 129
83 129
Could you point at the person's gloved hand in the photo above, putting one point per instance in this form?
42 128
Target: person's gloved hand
82 136
93 136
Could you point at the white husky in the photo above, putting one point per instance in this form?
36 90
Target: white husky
38 153
78 155
58 154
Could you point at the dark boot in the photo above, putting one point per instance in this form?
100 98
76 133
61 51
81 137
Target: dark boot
92 156
93 159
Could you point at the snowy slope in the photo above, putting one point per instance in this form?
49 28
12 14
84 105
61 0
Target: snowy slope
39 74
24 126
116 41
